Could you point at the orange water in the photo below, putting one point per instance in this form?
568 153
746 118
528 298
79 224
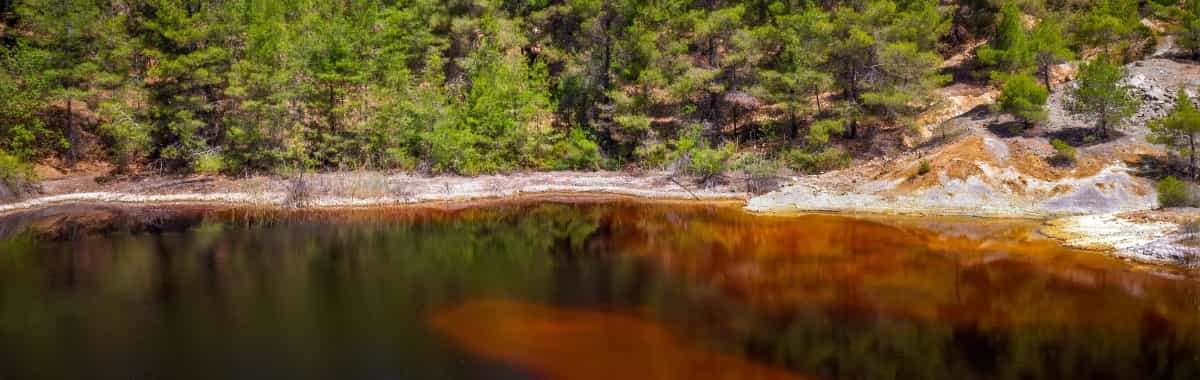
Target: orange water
577 290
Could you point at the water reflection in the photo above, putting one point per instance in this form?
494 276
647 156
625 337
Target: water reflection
575 344
515 290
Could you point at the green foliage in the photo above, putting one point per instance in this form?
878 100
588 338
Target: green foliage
573 150
1173 193
209 163
695 155
1022 97
497 120
906 81
458 87
924 167
1189 29
14 172
653 154
820 161
819 132
1065 151
1015 50
880 62
1099 95
760 171
128 138
710 161
755 165
25 89
186 47
1113 26
1179 130
34 140
1182 19
688 141
804 38
1048 47
1011 49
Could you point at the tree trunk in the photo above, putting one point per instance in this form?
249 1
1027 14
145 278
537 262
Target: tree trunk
817 95
1104 124
713 101
72 136
582 115
1046 79
1192 155
795 127
714 104
852 92
332 122
604 76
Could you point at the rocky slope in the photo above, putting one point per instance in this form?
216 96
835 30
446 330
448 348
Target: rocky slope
986 169
983 167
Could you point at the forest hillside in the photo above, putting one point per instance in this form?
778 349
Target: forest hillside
701 88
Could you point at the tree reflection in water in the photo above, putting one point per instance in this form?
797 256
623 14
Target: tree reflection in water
396 292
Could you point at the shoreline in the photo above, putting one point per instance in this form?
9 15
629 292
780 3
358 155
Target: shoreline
369 189
1158 237
1142 239
277 200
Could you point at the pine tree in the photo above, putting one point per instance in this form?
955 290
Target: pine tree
1189 30
713 31
1099 94
907 67
1010 50
1022 97
338 79
25 89
1179 130
465 86
1111 25
1049 48
851 52
260 89
186 42
799 78
904 81
67 30
503 112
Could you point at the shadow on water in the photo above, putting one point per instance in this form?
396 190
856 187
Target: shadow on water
576 290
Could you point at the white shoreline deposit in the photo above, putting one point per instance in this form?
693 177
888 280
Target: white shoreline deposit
359 189
1143 241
